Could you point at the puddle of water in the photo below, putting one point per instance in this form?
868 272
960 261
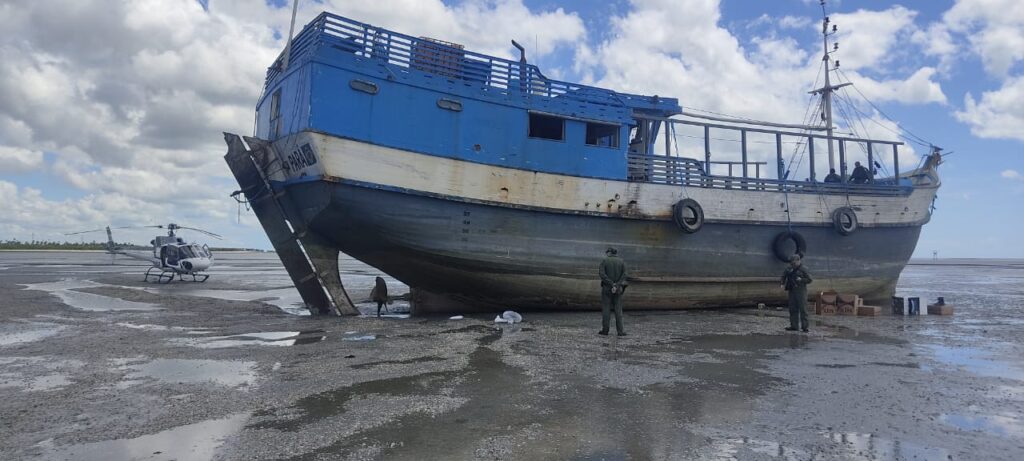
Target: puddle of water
232 374
28 332
67 291
873 447
1004 425
197 441
975 361
149 327
37 373
360 338
286 299
731 449
48 382
266 338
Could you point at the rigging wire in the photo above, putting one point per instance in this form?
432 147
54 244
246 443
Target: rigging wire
910 134
851 122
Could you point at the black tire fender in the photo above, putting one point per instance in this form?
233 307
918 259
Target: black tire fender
778 246
689 222
844 220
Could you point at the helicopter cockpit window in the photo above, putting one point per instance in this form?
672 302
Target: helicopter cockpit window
186 252
172 255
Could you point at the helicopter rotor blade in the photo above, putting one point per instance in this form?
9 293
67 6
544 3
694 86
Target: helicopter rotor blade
211 234
85 232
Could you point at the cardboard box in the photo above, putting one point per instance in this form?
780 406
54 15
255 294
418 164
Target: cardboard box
940 309
869 311
846 309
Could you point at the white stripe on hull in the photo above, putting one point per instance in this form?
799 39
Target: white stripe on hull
369 163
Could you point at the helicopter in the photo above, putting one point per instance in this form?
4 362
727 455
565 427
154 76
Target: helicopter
171 254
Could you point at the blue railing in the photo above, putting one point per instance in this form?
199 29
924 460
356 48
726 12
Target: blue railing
403 53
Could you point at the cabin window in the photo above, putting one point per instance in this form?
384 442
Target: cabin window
275 114
450 104
364 86
547 127
602 135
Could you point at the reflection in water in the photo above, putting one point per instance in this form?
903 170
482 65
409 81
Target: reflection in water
67 291
872 447
27 332
743 448
286 299
265 338
194 371
197 441
993 424
36 374
976 361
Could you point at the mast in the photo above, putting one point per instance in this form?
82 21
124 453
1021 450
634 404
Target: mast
291 30
827 90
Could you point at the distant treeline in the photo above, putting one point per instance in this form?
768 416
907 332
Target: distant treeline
48 245
71 246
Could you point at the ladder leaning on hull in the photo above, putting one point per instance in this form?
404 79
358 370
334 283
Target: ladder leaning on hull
311 262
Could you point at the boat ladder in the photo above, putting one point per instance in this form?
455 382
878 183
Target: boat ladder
311 261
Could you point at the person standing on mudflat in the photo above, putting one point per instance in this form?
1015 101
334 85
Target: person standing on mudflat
795 280
613 284
379 294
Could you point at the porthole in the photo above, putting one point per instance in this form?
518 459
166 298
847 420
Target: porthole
364 86
450 104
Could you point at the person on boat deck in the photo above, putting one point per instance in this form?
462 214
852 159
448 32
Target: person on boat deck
860 175
379 294
832 176
613 284
795 280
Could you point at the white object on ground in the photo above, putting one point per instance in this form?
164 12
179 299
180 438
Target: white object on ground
511 317
455 317
498 319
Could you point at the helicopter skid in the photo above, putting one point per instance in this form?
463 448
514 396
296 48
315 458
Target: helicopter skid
160 275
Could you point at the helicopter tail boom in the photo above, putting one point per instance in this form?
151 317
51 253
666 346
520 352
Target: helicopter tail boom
110 241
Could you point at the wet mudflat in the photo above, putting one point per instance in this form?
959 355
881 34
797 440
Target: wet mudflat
95 364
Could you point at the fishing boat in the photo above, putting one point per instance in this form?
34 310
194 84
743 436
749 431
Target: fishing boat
483 184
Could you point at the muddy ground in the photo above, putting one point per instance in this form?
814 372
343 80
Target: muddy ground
97 365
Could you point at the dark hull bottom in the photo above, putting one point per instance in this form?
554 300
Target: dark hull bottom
467 256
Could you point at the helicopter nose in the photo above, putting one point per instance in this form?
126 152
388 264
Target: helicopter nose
200 264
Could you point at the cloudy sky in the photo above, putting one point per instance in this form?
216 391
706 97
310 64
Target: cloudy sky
111 112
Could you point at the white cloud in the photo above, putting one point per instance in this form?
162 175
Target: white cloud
18 160
870 39
680 49
1012 174
795 22
919 88
998 114
993 28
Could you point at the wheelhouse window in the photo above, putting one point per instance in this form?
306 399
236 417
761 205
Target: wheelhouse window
602 135
547 127
275 114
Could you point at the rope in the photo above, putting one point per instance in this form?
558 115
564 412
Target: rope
911 136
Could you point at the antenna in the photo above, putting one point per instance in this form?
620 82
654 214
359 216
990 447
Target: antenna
827 90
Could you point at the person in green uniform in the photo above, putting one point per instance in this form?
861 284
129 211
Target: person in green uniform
795 280
613 284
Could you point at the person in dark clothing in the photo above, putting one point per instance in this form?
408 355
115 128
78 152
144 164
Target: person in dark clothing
860 175
795 280
832 176
613 284
379 294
